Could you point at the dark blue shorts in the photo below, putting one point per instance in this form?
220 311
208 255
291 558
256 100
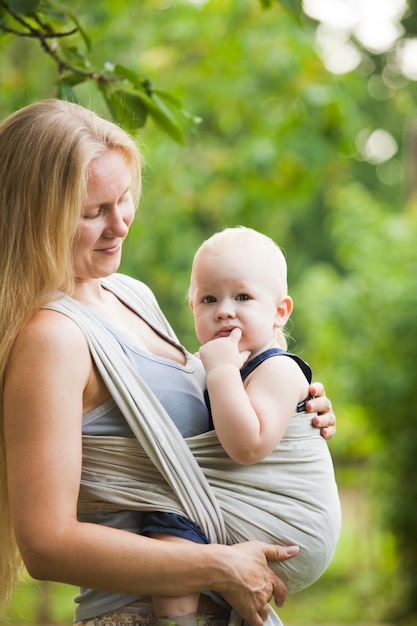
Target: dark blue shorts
173 524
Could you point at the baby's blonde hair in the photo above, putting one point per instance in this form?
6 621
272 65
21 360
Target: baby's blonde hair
256 245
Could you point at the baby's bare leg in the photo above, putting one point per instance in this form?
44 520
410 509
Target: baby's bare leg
171 606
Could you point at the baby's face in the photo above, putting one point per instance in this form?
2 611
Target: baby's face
231 290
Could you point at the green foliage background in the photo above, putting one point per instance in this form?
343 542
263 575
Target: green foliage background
277 150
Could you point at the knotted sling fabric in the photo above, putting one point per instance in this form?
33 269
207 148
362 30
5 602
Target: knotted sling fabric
290 497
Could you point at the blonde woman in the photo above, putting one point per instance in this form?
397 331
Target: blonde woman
69 185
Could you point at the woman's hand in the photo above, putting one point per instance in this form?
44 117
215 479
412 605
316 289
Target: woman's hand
251 583
325 418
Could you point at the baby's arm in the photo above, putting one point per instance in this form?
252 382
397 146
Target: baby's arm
250 418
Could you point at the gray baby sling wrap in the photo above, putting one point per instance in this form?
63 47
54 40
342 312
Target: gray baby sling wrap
290 497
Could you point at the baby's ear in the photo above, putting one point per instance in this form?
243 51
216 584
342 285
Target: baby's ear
283 312
190 302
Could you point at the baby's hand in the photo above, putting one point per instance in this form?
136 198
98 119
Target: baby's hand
224 351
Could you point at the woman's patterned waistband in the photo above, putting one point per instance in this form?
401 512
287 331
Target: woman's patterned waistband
148 619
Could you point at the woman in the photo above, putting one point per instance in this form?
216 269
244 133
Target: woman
69 184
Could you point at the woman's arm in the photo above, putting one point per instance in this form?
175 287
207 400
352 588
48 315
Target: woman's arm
49 375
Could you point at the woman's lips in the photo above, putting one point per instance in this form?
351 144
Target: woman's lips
110 250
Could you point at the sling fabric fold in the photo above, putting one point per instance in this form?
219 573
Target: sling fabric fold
290 497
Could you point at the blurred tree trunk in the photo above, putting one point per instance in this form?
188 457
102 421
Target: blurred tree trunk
410 140
44 603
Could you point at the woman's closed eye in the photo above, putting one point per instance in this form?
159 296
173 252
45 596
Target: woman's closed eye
97 211
90 215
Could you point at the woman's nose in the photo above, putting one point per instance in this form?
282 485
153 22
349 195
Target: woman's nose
117 225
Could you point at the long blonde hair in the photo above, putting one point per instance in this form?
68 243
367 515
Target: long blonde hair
46 150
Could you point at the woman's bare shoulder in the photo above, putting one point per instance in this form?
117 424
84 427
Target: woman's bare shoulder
51 327
50 339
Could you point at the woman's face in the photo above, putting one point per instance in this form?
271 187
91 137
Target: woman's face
107 215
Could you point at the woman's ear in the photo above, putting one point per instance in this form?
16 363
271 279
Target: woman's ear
283 312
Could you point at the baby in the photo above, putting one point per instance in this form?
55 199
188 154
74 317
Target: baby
256 396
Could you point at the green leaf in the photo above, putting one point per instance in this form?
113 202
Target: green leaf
24 6
86 38
57 14
169 98
137 80
161 116
154 101
72 78
295 6
126 108
75 56
174 102
66 92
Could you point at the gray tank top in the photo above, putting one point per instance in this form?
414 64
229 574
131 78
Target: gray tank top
180 389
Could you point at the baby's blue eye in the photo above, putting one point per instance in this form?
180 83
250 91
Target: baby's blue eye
243 297
208 300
